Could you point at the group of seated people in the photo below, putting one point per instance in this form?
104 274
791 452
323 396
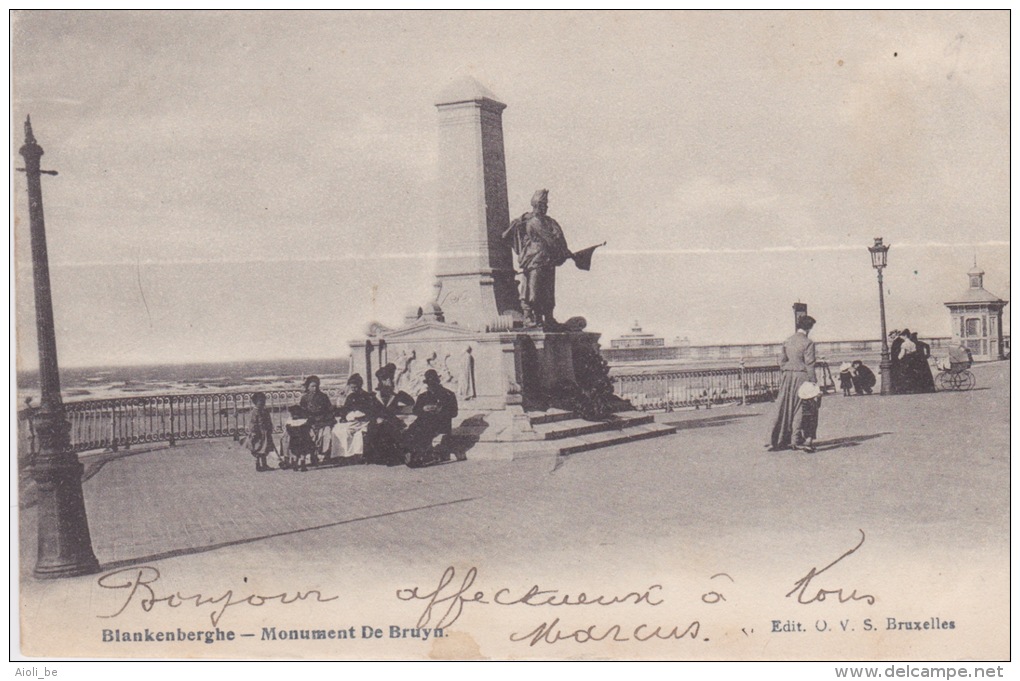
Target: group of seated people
369 427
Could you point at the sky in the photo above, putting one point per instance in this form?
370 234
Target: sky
264 185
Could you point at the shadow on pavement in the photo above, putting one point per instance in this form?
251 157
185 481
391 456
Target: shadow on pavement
174 553
710 422
28 496
95 463
851 441
466 436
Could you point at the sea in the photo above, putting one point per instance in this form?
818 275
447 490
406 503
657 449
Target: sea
99 383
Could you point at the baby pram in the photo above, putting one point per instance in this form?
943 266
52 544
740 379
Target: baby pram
954 375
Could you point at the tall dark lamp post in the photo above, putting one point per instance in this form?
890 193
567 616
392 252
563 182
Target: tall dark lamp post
65 546
879 258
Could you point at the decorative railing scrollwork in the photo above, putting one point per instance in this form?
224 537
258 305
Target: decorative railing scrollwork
684 388
122 422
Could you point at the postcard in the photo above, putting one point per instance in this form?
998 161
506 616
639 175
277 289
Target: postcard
512 335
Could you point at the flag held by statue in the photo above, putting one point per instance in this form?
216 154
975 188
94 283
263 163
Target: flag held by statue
583 258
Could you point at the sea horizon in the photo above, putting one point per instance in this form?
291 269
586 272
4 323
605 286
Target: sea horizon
137 380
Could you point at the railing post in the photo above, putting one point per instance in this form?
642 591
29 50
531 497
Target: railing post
173 438
743 383
237 430
113 427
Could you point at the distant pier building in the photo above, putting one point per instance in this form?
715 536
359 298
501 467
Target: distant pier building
976 317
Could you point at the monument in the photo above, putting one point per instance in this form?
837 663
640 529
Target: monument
473 332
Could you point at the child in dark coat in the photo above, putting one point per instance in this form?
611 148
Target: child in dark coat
810 401
301 445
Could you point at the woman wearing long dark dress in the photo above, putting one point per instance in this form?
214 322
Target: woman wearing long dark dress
797 366
386 446
923 381
896 383
905 364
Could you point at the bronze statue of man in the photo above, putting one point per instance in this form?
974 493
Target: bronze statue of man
540 247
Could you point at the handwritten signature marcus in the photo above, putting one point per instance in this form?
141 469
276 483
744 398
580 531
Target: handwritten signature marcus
137 582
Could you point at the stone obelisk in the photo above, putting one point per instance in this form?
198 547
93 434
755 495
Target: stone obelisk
475 319
474 275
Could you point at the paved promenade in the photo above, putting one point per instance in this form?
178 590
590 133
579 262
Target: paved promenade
925 477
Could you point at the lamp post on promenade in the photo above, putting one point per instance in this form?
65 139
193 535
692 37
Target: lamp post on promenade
65 545
879 259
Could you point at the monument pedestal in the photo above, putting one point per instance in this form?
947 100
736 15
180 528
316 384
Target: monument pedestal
487 370
512 387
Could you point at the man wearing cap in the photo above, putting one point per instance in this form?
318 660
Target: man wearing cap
435 409
386 445
863 378
541 247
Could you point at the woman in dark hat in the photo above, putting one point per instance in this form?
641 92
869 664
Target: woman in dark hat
385 446
899 368
319 409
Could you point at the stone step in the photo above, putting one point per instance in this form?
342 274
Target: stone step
550 416
584 443
509 451
575 427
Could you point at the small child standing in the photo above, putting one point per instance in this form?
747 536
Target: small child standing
300 445
260 432
810 401
846 378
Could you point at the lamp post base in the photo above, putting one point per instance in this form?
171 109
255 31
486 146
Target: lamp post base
65 545
885 369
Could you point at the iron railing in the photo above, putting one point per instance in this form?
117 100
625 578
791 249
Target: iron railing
122 422
679 388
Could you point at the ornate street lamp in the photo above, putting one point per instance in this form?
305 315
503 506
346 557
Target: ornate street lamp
65 546
879 257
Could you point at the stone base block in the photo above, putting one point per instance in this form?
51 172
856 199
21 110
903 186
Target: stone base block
486 370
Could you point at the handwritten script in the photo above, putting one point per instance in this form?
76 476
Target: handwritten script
445 603
554 632
806 592
136 583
